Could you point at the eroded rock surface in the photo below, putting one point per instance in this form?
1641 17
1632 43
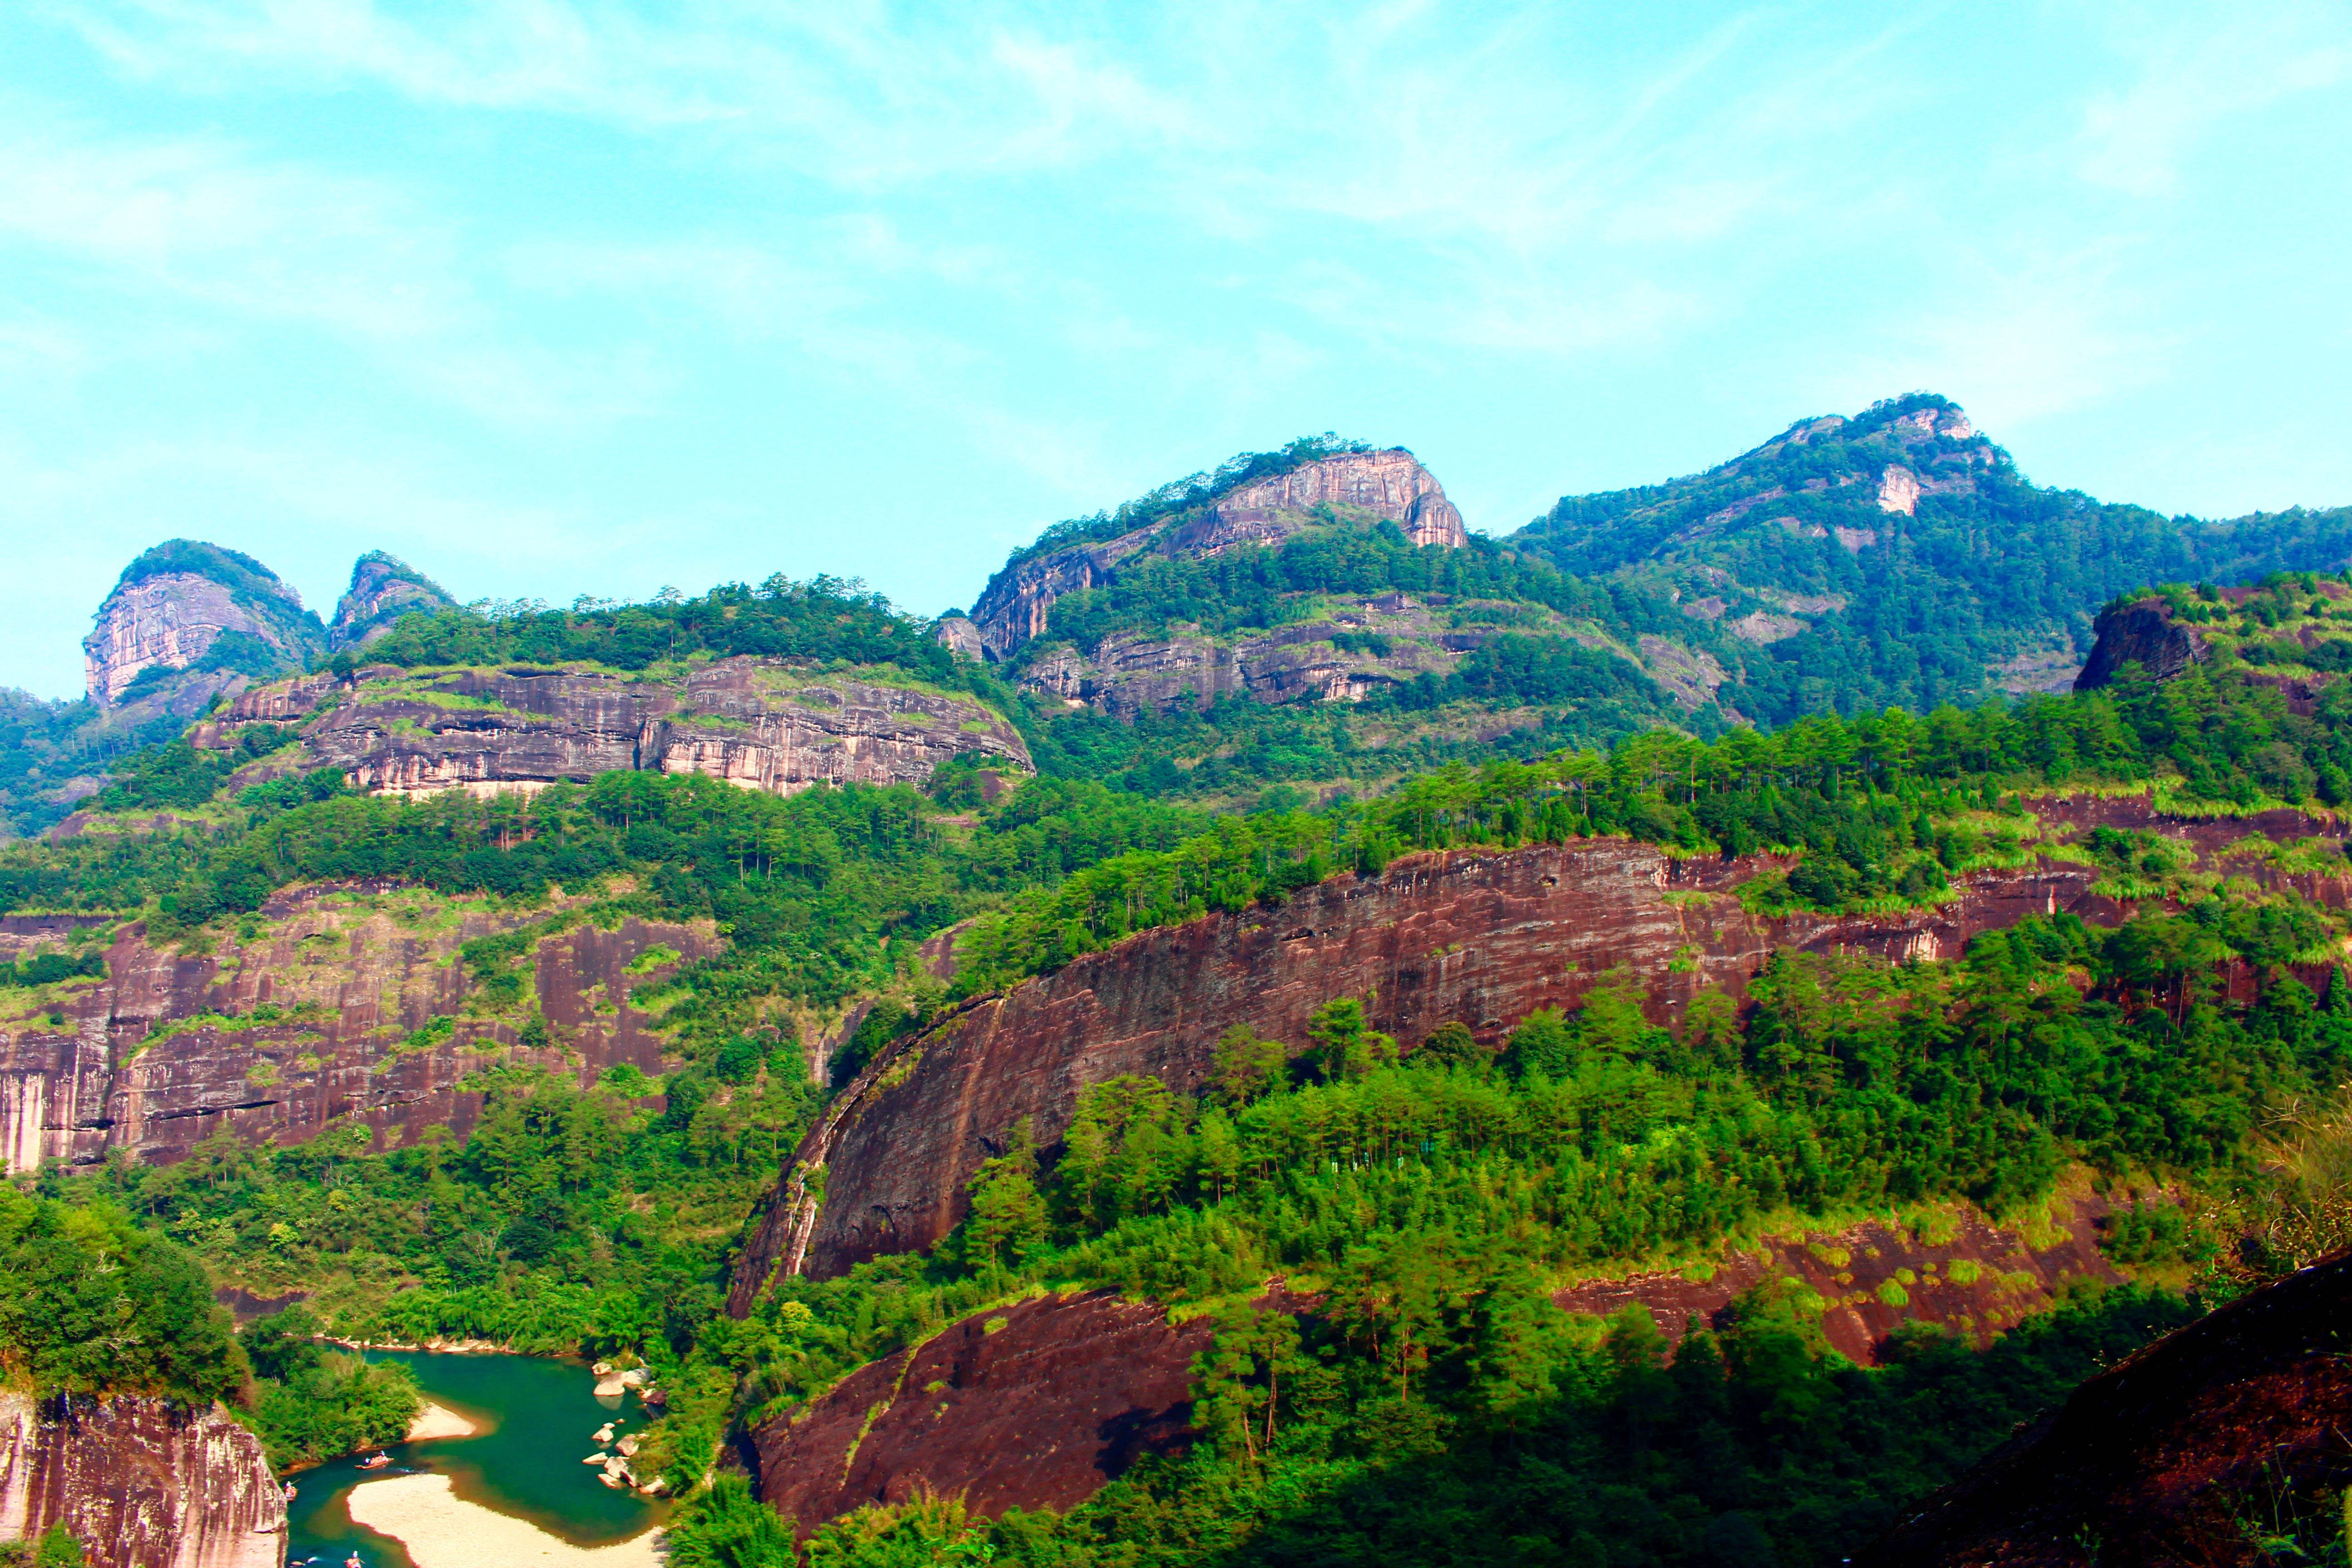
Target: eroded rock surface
2142 632
1387 484
1978 1282
2170 1457
1036 1404
141 1482
760 723
383 588
175 606
325 1018
1481 937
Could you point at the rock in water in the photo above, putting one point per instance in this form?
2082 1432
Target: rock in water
140 1482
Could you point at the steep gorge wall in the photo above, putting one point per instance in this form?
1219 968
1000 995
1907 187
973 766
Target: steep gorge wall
759 723
167 1050
1480 937
141 1482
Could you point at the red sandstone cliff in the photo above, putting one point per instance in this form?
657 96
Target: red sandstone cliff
763 724
1390 485
2142 632
1482 937
176 603
167 1050
1036 1404
2190 1452
141 1482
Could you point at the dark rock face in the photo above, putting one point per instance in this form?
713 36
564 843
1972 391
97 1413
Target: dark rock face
2144 634
1390 485
167 1050
2155 1460
1981 1279
383 588
1482 937
754 722
1034 1405
142 1483
172 610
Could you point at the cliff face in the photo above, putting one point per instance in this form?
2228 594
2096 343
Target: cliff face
174 606
1482 938
1980 1279
313 1023
140 1482
1036 1404
383 588
754 722
2144 634
2175 1456
1390 485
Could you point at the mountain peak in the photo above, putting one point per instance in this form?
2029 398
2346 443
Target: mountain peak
188 607
383 588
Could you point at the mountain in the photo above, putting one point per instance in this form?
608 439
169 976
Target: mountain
1192 1060
383 588
1899 557
195 618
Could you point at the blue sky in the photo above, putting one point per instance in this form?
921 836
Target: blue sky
563 296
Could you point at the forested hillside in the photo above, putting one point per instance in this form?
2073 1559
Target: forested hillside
1366 1231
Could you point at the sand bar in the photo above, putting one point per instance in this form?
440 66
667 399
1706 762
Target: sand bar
441 1529
438 1421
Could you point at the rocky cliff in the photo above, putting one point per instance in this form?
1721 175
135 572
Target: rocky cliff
189 606
338 1008
1976 1278
383 588
1483 938
2142 633
1388 486
1034 1405
763 724
2207 1448
142 1483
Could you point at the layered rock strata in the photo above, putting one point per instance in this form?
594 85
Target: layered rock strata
173 606
1388 486
1034 1405
758 724
2190 1452
383 588
1873 1278
345 1010
1485 938
140 1482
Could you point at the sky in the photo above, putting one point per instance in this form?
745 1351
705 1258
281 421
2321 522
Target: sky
563 296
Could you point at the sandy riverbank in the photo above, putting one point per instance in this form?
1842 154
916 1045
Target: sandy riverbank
438 1421
441 1529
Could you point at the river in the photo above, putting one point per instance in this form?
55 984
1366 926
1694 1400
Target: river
538 1418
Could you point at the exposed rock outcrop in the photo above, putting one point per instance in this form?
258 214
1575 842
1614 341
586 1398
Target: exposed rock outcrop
326 1017
2173 1456
140 1482
2142 633
1389 485
188 606
383 588
1981 1279
760 723
1034 1405
1485 938
959 634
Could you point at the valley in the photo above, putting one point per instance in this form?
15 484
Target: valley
1294 1031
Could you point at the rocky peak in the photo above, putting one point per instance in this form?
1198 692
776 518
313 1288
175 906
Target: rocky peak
1389 485
2142 633
383 588
189 606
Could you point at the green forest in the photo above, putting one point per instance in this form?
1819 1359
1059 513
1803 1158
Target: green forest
1427 1196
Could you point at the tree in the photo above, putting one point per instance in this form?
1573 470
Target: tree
1245 1065
1451 1044
1347 1045
1007 1212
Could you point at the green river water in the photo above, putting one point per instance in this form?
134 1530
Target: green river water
540 1418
